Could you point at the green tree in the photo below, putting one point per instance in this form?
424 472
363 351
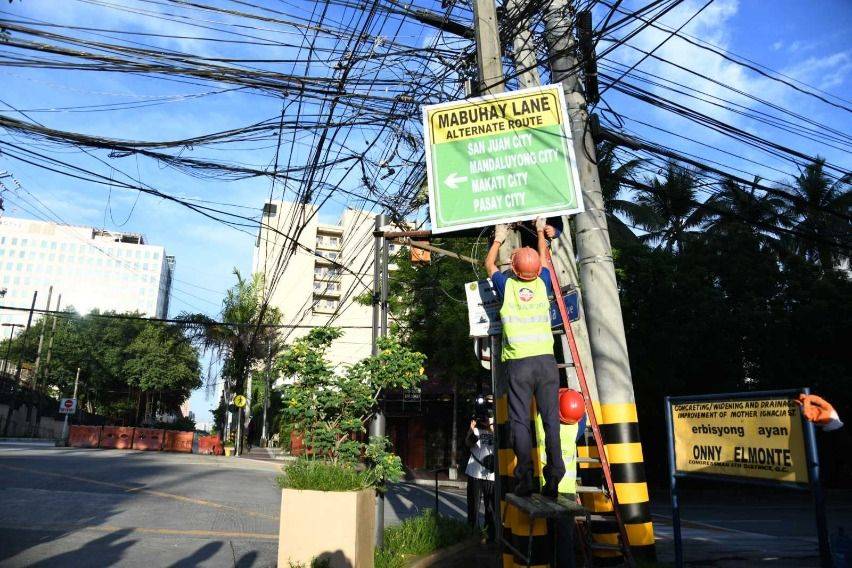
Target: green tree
669 210
611 172
131 368
820 214
240 340
331 409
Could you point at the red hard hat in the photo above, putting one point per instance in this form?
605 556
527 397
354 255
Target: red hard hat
572 407
526 263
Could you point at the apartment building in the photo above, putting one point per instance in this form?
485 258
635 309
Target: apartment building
313 290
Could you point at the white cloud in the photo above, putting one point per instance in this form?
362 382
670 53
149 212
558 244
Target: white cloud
825 72
777 45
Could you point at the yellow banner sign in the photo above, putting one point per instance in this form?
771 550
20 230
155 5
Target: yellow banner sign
757 438
450 123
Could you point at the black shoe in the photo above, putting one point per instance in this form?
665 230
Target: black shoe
550 492
523 491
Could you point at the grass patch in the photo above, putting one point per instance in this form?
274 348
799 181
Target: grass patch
420 535
318 475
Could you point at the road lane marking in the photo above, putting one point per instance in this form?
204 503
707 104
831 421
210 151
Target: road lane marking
145 530
144 489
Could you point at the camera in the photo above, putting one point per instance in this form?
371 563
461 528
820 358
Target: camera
483 411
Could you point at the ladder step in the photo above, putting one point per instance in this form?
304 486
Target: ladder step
599 517
589 489
564 365
603 546
587 460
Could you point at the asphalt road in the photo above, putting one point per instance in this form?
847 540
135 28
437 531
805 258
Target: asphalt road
75 507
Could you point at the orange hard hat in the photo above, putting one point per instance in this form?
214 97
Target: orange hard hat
526 263
572 407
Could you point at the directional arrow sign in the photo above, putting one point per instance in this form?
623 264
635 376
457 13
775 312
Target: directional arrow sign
453 180
500 158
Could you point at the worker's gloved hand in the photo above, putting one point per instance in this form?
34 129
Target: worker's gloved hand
501 232
540 224
817 410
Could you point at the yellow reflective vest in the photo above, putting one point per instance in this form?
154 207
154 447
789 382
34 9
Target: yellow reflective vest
525 315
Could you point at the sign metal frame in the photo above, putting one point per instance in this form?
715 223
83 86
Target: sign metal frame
568 147
811 455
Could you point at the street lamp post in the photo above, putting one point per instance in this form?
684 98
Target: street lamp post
9 347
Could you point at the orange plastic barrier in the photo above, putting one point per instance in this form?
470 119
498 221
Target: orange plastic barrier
210 445
175 441
148 439
84 436
117 437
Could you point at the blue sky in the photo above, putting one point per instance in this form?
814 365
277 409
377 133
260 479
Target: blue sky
807 41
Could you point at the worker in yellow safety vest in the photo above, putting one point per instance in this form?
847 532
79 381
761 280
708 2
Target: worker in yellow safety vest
527 353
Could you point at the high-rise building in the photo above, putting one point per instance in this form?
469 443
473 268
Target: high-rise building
92 269
314 290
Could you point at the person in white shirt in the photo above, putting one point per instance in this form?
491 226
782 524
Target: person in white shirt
480 471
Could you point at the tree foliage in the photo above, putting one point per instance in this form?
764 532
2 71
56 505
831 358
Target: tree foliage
130 369
241 339
331 409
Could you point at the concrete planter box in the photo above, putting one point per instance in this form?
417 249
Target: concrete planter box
337 526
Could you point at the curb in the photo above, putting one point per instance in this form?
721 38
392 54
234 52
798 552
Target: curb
441 483
437 557
29 441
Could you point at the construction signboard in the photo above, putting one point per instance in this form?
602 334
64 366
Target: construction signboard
500 158
758 438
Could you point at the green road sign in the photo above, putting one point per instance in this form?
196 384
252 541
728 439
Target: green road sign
500 158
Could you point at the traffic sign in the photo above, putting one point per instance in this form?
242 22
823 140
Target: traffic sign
500 158
67 405
239 401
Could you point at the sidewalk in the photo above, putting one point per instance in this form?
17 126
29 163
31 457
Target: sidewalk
704 545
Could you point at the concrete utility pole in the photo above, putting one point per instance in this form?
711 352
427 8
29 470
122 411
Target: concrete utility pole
564 257
50 343
74 396
490 66
603 314
263 435
380 327
41 342
12 327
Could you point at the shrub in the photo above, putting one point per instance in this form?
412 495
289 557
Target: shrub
317 475
420 535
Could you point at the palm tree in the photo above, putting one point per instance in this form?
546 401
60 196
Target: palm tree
668 209
819 213
744 210
611 172
242 336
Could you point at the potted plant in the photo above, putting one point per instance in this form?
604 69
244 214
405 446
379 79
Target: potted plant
328 495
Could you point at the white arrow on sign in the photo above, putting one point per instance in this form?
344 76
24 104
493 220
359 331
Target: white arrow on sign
453 180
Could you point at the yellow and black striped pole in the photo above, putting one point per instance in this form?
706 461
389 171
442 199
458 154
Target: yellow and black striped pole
620 432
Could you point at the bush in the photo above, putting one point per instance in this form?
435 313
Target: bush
420 535
318 475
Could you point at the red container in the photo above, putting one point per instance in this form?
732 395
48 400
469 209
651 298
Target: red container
84 436
148 439
175 441
117 437
211 445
